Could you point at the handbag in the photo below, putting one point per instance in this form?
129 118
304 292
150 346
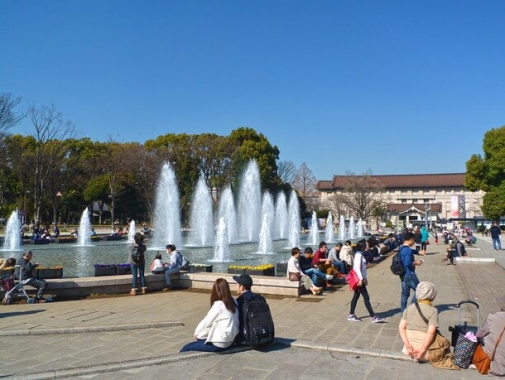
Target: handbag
480 358
352 279
294 276
463 351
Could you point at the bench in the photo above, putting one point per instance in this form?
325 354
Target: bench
84 286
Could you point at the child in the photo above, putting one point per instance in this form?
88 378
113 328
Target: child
157 265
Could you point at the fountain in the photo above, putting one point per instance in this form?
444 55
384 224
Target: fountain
341 228
84 234
249 203
167 222
202 220
227 212
352 228
265 244
281 217
12 240
360 228
132 230
314 230
222 248
329 229
294 220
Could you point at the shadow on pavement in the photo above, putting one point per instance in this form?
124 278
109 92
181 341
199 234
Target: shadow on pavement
16 313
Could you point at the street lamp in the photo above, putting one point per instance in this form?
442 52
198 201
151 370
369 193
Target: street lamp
58 196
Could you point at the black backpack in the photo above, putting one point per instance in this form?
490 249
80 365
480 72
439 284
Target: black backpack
258 323
397 265
463 249
138 253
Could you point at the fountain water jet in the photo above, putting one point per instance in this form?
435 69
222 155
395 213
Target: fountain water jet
281 227
227 212
360 228
12 240
222 248
202 220
329 230
84 234
294 220
167 222
249 203
314 230
341 228
352 228
132 230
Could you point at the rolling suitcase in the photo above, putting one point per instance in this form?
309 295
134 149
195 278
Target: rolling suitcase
464 346
458 329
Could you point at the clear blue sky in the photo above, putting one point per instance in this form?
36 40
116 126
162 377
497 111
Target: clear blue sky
396 87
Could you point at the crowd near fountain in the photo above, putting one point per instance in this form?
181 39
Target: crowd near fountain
255 229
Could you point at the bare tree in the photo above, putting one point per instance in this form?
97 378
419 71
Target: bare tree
304 181
286 171
50 134
8 117
362 193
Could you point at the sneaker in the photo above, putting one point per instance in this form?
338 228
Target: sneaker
166 289
329 277
353 318
377 319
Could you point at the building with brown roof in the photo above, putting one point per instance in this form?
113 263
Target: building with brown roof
416 198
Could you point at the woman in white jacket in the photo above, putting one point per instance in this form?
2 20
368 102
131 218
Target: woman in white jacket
217 331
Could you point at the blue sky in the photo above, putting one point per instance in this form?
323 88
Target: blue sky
397 87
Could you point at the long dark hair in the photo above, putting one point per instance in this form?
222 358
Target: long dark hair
221 292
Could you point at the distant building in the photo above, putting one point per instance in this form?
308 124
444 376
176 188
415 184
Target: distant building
420 198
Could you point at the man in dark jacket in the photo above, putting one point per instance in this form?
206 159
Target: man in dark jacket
24 272
245 283
495 231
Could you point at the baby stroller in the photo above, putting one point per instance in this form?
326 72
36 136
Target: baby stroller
13 289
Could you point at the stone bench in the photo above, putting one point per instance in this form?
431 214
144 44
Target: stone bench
84 286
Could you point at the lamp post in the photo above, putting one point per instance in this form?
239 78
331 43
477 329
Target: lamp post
58 196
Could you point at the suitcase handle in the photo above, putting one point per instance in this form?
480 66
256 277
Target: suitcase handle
468 301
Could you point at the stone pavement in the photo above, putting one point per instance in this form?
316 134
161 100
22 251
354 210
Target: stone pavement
139 337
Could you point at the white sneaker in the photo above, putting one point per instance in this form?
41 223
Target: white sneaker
329 277
377 319
353 318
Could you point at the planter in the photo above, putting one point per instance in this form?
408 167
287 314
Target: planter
105 270
281 269
200 268
253 272
123 269
46 273
66 240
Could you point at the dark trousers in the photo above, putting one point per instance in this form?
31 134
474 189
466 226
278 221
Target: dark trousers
366 298
40 285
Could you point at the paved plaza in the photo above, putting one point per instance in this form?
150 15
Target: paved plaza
139 337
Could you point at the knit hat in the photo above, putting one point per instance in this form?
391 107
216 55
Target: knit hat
501 303
426 291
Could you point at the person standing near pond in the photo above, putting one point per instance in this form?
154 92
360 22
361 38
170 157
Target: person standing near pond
138 263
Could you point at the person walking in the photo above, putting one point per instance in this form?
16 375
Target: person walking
359 266
409 278
138 263
495 231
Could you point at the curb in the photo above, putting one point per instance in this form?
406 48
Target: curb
119 366
72 330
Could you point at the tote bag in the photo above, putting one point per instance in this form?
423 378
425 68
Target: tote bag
352 279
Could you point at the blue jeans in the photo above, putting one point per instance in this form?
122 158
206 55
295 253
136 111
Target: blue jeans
200 345
409 281
314 273
168 272
341 266
138 269
497 243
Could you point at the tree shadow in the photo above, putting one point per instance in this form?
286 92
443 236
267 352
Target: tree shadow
16 313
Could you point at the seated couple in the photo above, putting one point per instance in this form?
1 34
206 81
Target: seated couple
167 268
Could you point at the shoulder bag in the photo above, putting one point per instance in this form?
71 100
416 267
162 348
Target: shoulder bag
480 358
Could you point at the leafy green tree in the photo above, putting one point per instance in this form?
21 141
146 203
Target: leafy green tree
488 173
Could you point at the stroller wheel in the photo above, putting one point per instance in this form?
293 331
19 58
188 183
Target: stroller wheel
30 300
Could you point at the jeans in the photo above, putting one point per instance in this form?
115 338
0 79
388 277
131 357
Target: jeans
40 285
200 345
168 272
138 268
409 281
497 243
314 273
341 266
366 298
452 254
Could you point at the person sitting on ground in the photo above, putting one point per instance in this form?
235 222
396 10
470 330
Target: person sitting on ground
347 255
25 272
305 262
491 331
372 252
418 330
174 266
218 330
7 263
244 286
157 265
294 271
334 257
390 242
451 254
